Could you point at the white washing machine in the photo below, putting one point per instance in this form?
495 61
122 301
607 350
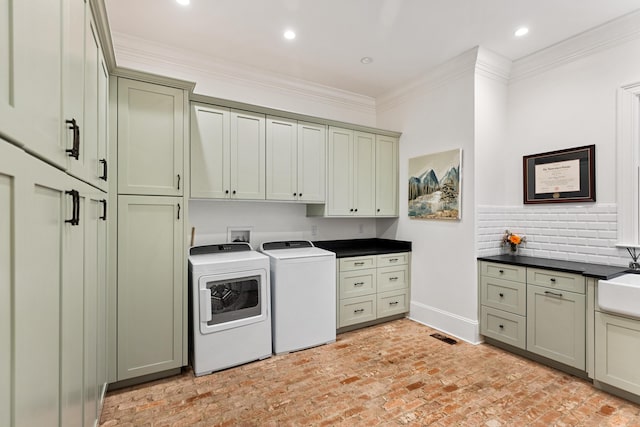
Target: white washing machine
303 295
230 306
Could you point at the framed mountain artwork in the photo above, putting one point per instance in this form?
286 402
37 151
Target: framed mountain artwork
435 185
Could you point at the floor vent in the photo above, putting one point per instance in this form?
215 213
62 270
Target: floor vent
445 339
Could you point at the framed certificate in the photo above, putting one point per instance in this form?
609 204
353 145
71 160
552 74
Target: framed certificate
560 176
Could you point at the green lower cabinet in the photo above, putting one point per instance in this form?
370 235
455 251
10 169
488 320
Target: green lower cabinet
556 325
617 346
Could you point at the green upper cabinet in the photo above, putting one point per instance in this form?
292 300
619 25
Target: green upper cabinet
31 76
296 164
227 153
150 139
386 176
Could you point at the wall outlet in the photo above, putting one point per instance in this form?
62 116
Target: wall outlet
314 230
360 228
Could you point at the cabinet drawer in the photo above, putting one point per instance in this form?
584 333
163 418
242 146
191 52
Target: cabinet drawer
556 280
504 271
357 263
357 283
390 278
504 295
357 310
503 326
393 259
392 302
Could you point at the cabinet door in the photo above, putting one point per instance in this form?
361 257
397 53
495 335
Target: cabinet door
210 152
150 139
617 348
102 298
282 151
11 165
150 284
102 161
364 192
556 325
312 162
31 83
386 176
340 173
42 208
247 155
73 80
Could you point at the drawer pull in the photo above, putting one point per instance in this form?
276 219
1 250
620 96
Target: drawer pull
501 326
553 280
358 284
359 263
553 294
501 295
501 271
360 310
393 260
393 303
392 279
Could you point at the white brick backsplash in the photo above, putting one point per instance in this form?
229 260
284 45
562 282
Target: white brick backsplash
574 233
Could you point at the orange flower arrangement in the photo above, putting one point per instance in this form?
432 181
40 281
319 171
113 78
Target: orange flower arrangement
513 240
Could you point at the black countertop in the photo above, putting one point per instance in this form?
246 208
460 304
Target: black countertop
359 247
598 271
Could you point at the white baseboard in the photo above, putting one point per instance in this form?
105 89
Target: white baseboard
451 324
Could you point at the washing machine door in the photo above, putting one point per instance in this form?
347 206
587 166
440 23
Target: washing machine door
231 300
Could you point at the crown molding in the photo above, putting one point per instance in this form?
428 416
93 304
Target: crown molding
597 39
132 50
493 65
153 78
104 32
443 74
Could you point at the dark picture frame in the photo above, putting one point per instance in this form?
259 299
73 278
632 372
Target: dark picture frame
563 176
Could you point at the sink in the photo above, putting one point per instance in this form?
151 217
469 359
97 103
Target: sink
620 295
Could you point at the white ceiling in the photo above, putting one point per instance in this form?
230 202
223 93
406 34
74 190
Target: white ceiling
405 38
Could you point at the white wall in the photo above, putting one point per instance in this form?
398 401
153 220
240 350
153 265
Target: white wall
270 221
564 105
439 116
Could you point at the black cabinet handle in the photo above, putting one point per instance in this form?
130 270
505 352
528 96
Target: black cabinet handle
295 194
378 210
360 310
501 326
104 210
501 295
75 210
350 210
553 294
553 279
501 271
178 210
178 181
393 303
233 192
226 191
355 210
103 162
358 284
75 150
393 279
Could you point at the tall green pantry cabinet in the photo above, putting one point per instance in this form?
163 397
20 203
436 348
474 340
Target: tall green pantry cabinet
149 336
53 227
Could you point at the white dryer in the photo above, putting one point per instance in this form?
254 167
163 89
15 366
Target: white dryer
230 306
303 292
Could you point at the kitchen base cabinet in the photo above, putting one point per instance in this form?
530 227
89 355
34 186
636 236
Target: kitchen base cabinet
540 311
372 287
617 346
151 280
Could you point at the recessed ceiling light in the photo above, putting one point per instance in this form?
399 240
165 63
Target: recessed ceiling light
289 35
183 2
521 31
366 60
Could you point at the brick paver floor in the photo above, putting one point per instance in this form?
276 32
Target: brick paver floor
390 374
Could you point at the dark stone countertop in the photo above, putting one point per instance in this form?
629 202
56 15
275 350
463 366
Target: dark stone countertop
359 247
598 271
